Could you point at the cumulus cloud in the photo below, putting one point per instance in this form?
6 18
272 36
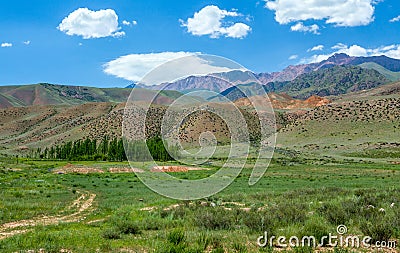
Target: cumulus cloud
293 57
91 24
6 44
209 21
316 48
337 12
134 67
396 19
27 42
392 51
300 27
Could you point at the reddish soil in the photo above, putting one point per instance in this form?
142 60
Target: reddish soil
125 170
69 168
174 169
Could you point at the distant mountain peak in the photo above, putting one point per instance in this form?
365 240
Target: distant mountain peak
339 56
337 59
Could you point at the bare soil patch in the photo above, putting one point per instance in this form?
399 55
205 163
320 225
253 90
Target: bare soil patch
125 170
175 169
70 168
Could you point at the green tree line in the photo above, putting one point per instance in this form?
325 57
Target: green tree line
106 150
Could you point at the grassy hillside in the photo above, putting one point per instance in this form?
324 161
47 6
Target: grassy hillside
50 94
331 81
391 90
347 129
391 75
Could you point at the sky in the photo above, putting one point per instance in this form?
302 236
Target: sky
116 42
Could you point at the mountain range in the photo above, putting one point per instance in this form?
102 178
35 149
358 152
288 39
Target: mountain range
388 67
45 114
51 94
337 75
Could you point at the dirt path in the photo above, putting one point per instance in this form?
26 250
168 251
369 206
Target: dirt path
83 205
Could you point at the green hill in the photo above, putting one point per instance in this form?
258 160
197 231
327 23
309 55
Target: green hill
50 94
330 81
347 129
391 75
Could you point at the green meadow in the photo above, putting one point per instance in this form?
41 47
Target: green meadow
118 213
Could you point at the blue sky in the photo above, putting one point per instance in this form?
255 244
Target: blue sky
88 42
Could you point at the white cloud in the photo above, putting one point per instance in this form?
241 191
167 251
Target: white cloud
208 21
6 44
392 51
91 24
119 34
27 42
396 19
300 27
356 50
316 48
135 67
238 30
337 12
129 23
293 57
339 46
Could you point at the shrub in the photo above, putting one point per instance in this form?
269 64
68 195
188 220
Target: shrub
218 250
333 213
237 247
123 223
259 222
203 241
176 237
128 227
379 229
170 248
111 233
290 212
179 212
214 219
318 228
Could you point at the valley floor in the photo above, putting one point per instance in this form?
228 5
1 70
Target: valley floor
43 211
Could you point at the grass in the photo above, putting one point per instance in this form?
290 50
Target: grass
298 198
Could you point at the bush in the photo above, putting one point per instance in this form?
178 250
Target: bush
170 248
123 223
111 233
176 237
334 214
259 222
218 250
203 241
379 230
128 227
290 212
237 247
318 228
214 219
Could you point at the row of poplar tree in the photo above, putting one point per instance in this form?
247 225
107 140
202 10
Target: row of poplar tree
106 150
